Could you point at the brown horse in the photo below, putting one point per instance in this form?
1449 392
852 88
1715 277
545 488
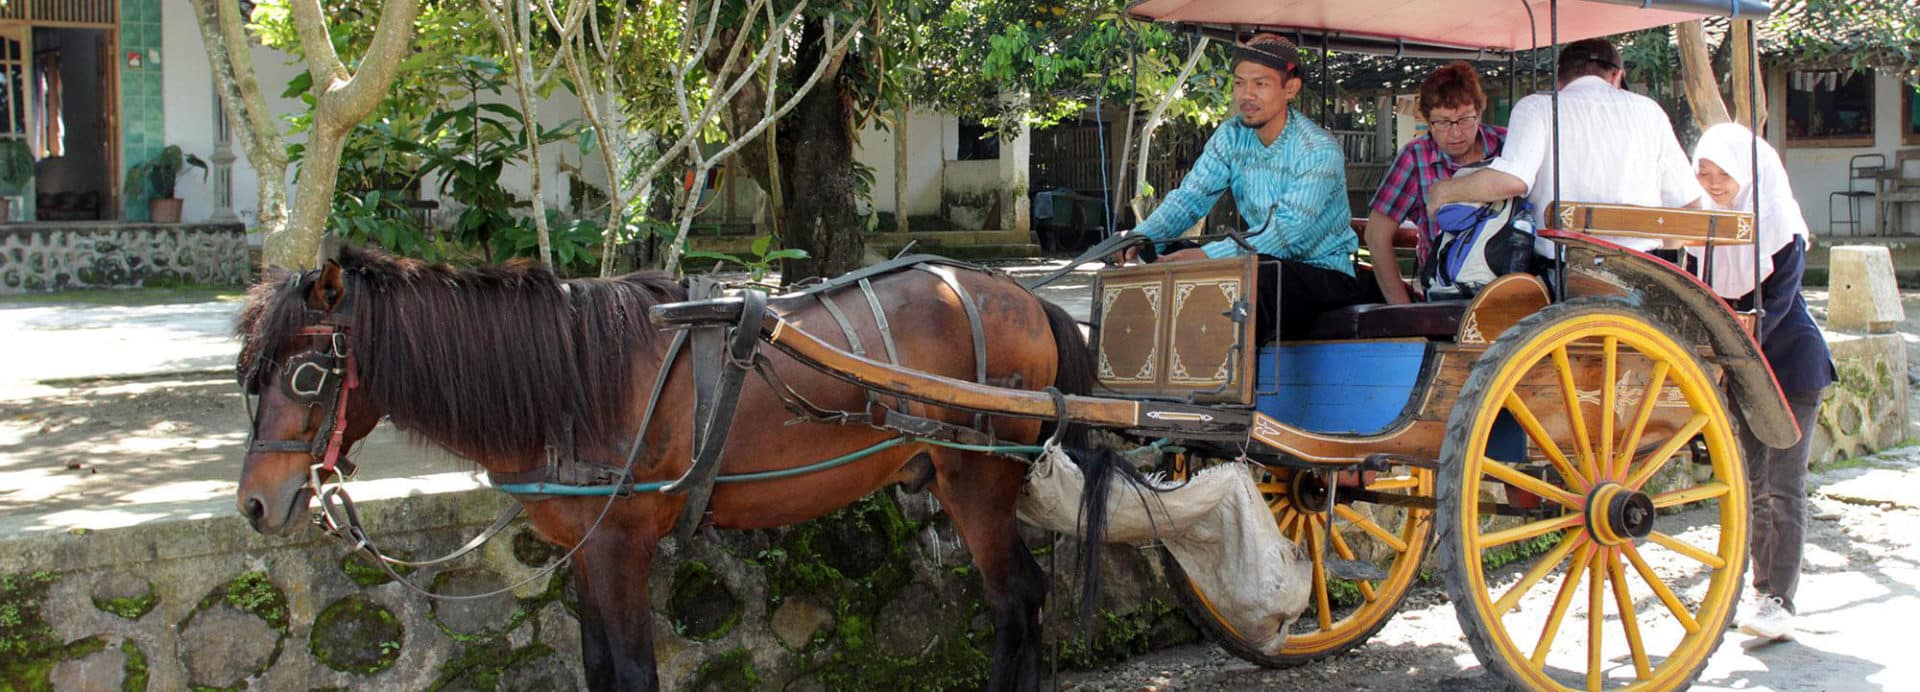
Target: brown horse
499 364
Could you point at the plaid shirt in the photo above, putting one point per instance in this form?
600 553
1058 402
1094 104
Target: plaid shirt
1403 192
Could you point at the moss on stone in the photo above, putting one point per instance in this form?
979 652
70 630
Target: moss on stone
361 569
356 635
732 670
253 592
28 645
132 608
479 664
701 607
134 677
1123 635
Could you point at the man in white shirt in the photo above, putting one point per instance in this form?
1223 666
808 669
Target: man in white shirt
1618 147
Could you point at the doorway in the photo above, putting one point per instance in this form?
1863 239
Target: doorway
69 125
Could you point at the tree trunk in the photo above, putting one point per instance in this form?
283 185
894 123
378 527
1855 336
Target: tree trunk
225 37
1745 70
1696 72
821 217
513 25
342 99
901 170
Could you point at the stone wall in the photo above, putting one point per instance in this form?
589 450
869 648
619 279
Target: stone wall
879 595
52 257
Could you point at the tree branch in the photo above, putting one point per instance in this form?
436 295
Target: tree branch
317 43
370 83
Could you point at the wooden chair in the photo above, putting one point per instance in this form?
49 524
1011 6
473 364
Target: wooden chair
1896 187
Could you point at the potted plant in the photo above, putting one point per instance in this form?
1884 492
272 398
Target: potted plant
16 170
154 180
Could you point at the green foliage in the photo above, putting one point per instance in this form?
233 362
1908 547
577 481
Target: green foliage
155 177
1062 56
760 261
1518 552
16 163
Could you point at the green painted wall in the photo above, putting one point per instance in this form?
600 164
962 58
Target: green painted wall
143 124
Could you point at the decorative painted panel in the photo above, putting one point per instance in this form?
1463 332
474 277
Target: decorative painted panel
1179 330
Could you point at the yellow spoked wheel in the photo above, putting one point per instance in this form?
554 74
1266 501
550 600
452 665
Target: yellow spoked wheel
1382 517
1643 556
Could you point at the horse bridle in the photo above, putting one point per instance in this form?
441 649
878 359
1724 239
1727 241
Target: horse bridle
318 378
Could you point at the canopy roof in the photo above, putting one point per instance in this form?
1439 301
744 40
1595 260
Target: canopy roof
1437 28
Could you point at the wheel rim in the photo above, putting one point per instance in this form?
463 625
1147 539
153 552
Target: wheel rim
1395 542
1643 625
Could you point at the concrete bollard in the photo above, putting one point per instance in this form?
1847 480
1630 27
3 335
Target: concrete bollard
1866 408
1865 297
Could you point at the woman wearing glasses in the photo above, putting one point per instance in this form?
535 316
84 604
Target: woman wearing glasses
1451 102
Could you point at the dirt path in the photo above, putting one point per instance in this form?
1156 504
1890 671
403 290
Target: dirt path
1857 597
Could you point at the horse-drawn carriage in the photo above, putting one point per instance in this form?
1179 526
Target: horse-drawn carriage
1580 423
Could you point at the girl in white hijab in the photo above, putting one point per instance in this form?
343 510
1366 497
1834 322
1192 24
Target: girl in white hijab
1724 161
1777 478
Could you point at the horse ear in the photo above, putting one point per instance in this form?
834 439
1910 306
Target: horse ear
327 288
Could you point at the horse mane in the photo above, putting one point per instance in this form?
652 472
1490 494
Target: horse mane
498 361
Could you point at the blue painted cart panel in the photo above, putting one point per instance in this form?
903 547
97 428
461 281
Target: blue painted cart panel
1347 387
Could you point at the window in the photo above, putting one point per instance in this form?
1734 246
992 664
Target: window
1830 108
1910 131
977 142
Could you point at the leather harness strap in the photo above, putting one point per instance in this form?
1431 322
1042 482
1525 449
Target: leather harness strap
973 321
714 408
886 330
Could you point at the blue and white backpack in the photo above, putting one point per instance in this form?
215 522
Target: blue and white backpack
1477 244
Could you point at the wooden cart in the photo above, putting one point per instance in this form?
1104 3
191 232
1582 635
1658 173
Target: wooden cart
1549 440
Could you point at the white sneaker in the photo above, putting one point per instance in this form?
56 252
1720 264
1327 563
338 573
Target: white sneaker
1767 618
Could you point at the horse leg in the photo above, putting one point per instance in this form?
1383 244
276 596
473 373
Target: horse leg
979 492
616 616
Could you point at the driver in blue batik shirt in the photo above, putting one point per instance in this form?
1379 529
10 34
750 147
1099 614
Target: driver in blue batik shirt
1289 181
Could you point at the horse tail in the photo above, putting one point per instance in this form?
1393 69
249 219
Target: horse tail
1074 372
1102 469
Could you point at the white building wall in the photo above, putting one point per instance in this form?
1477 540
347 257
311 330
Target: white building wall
1817 172
930 141
190 123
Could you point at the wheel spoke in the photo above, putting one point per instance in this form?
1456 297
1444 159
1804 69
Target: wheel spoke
1687 496
1656 383
1274 488
1526 531
1659 458
1378 532
1610 372
1539 571
1687 549
1582 446
1530 484
1321 602
1345 552
1660 589
1568 584
1542 439
1624 600
1596 614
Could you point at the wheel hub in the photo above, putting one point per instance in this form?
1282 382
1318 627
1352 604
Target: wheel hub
1617 514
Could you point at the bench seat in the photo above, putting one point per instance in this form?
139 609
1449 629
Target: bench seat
1439 319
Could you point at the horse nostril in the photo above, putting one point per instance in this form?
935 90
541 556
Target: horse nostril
255 509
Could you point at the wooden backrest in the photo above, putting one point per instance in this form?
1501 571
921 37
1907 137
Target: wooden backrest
1499 306
1168 329
1689 226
